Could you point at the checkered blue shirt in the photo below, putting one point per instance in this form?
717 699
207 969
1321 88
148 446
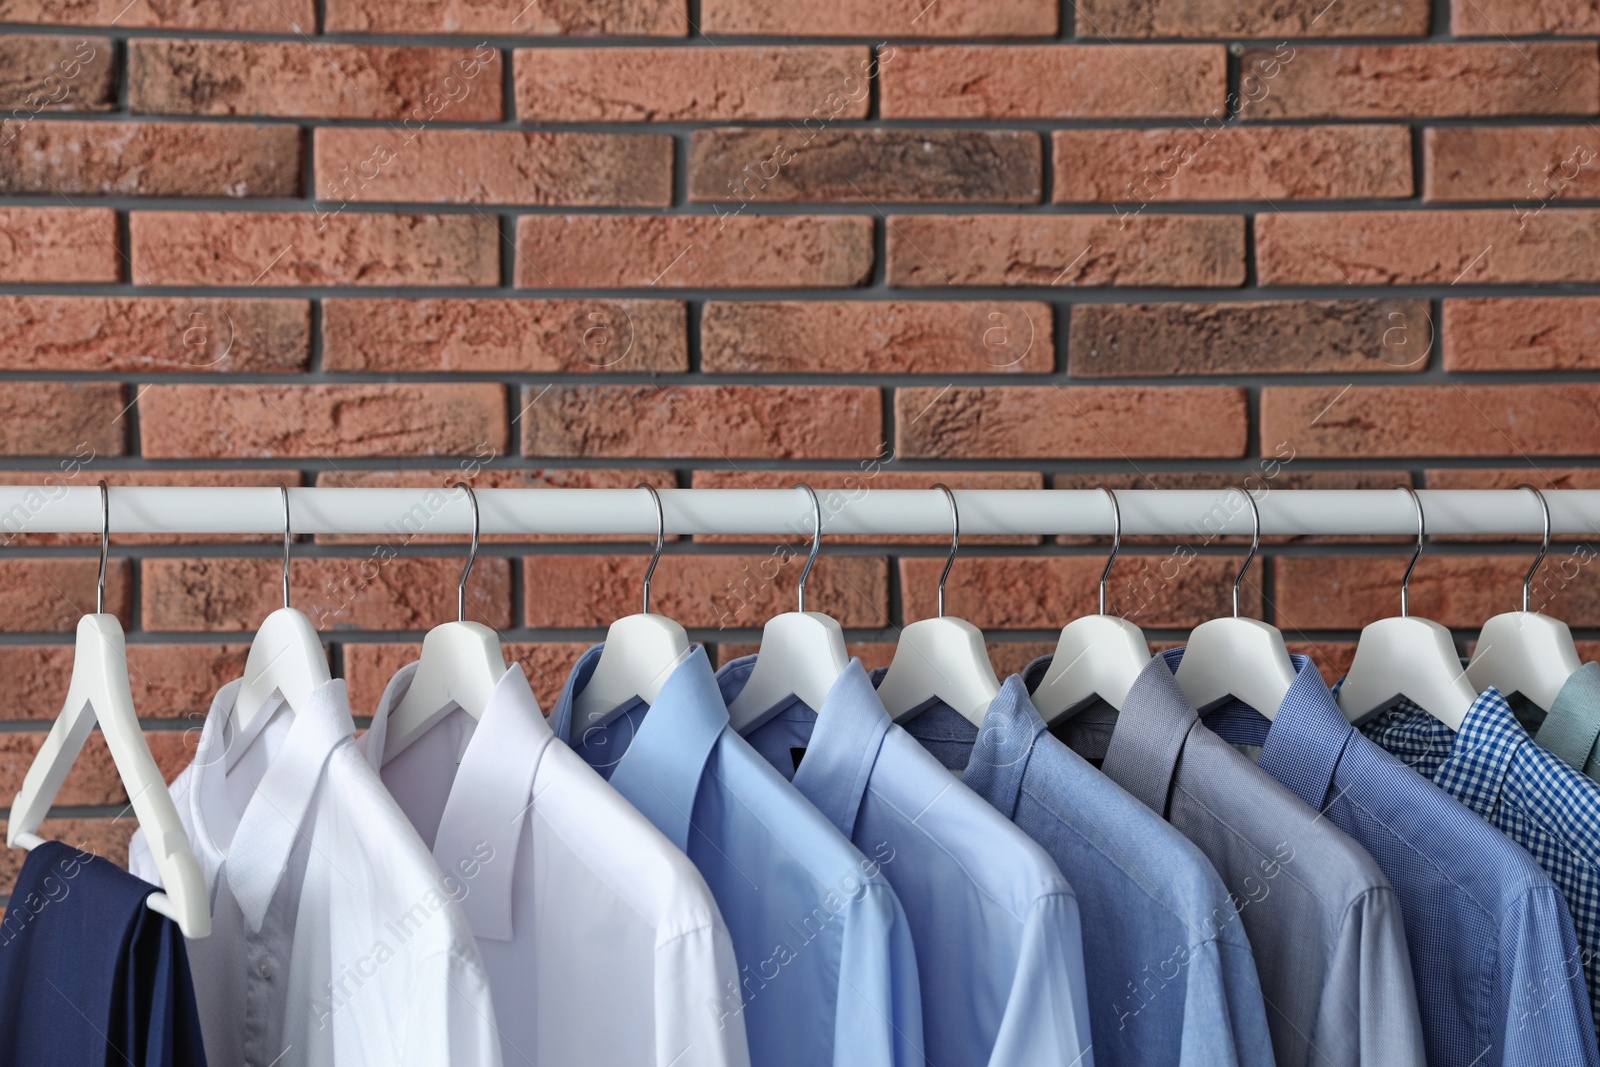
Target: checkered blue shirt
1493 767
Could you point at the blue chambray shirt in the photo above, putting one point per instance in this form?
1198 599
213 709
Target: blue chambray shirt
996 925
1170 972
827 970
1489 936
1493 767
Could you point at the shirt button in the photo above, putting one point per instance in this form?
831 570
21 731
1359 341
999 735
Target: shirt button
266 970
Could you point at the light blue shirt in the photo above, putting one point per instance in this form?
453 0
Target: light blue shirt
1173 979
995 923
827 970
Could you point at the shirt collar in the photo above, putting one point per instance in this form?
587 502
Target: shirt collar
1150 733
843 749
1489 739
1005 742
1573 724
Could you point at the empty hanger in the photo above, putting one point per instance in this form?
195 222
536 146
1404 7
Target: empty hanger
286 658
1407 658
1237 657
460 665
802 652
640 654
99 692
943 658
1525 651
1098 656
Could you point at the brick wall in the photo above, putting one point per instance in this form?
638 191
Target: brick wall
1010 243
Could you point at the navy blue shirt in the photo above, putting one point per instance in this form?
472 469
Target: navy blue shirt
89 976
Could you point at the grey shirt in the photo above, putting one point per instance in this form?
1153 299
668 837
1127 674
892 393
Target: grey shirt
1571 729
1321 917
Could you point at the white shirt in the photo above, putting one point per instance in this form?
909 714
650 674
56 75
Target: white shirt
334 939
604 945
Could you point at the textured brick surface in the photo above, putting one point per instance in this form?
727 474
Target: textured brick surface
1266 337
1147 251
1527 334
59 244
872 18
168 681
48 596
938 166
1055 81
1252 18
368 668
81 420
1214 163
623 18
826 83
1498 18
260 16
869 336
144 334
44 72
269 421
106 838
1529 165
135 159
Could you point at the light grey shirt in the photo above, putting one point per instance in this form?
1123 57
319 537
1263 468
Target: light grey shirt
1321 918
1571 730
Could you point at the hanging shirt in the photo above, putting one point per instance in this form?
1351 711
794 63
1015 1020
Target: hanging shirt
1490 939
602 941
1493 767
88 974
999 950
1170 968
827 974
1571 728
1323 922
334 937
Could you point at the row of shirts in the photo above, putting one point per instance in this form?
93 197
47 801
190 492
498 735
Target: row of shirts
1123 888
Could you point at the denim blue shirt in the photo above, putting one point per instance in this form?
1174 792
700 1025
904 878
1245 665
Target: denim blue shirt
995 924
1170 970
1489 935
827 970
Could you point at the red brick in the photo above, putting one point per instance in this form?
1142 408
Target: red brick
1331 658
368 668
41 72
695 251
1052 250
865 166
1260 337
877 337
59 244
313 248
168 681
316 421
899 18
711 422
1252 18
691 84
1543 478
1502 18
1423 80
1232 163
1522 333
1528 165
314 80
92 780
259 16
81 471
51 595
1052 81
542 18
1177 589
524 336
80 419
1433 420
1069 422
704 592
1422 247
136 159
378 591
152 334
494 167
482 477
106 838
848 486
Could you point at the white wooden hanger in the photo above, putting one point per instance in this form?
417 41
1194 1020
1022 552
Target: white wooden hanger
1237 657
640 655
1098 656
943 657
802 653
460 666
286 658
99 692
1525 651
1407 657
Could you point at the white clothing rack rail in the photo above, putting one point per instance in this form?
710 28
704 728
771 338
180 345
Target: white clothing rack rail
1186 514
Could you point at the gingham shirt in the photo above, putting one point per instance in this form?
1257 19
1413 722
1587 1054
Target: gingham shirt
1493 767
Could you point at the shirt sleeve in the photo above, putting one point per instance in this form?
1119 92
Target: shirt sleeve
1544 1000
1369 1016
879 1019
1224 1015
698 1016
1046 1020
450 1016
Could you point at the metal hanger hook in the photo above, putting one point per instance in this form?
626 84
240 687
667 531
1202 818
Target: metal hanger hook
816 540
1116 543
955 541
1422 533
1544 508
1255 544
286 539
661 539
472 554
105 548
